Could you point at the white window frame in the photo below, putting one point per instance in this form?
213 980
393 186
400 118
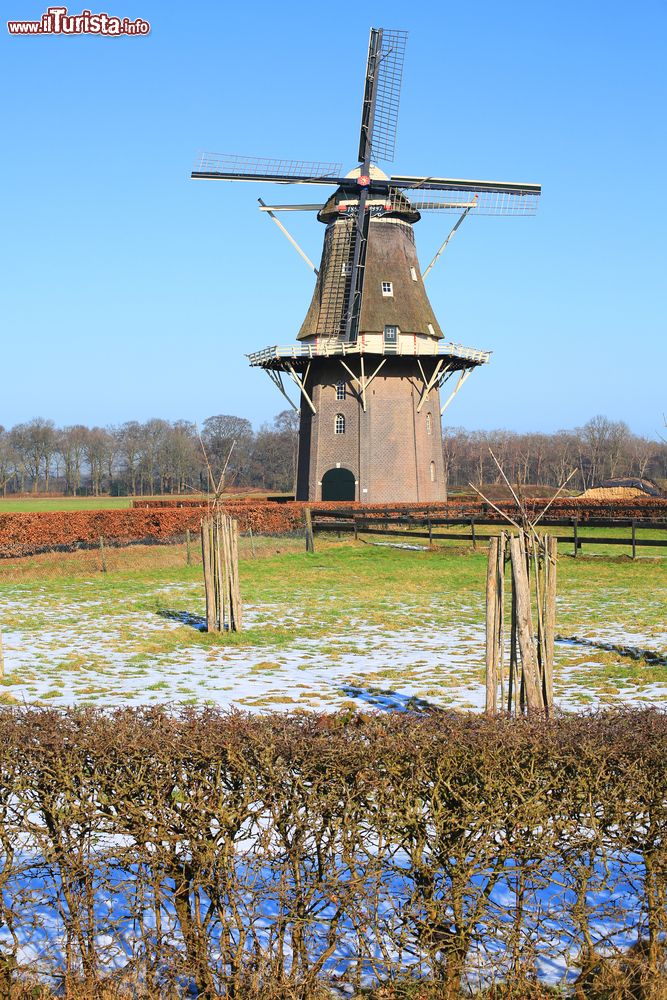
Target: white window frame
341 389
413 272
432 472
339 423
387 289
429 423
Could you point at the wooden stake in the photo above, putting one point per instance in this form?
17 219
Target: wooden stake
513 682
252 542
525 625
500 624
491 628
219 577
209 586
102 555
188 559
550 564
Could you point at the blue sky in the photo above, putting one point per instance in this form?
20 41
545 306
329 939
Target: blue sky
130 291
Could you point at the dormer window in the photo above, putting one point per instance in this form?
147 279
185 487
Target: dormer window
387 289
390 339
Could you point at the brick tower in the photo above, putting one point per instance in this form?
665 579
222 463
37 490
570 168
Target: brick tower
370 357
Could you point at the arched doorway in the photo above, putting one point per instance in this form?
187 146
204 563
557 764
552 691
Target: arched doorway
338 484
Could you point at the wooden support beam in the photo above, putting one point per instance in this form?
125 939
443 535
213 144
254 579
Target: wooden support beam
357 379
456 226
294 243
276 378
370 379
363 382
431 382
465 373
301 384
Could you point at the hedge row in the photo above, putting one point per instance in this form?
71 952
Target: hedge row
247 856
25 533
582 507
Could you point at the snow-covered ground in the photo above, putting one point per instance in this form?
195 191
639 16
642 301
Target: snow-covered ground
82 651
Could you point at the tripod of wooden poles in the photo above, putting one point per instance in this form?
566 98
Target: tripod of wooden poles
220 555
527 686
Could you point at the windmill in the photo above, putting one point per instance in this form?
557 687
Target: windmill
370 357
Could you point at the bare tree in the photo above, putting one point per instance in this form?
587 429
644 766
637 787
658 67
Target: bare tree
36 441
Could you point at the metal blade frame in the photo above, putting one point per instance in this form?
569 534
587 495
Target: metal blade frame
479 197
230 167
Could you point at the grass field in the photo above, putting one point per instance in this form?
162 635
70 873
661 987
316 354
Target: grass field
356 624
64 503
27 503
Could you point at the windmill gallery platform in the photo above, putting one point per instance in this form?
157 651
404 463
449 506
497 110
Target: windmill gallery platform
371 357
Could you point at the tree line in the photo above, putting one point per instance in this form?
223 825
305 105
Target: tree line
601 449
160 456
154 457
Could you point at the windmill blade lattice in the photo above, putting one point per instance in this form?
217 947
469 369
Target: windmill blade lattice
230 167
480 200
390 76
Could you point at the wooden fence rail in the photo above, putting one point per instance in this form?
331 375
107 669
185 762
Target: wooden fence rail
403 526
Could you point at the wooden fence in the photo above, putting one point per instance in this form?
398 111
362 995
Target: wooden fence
419 526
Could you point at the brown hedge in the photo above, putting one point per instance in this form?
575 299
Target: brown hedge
249 856
25 533
564 507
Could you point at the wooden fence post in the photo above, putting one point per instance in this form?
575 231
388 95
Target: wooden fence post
102 554
188 559
310 538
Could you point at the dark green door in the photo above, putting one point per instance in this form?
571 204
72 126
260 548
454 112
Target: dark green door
338 484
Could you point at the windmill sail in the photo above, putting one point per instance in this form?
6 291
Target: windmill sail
390 76
433 194
229 167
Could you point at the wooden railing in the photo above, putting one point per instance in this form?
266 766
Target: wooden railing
420 526
406 347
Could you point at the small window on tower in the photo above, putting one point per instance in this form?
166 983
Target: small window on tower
432 472
429 424
413 272
387 289
339 425
340 390
346 268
